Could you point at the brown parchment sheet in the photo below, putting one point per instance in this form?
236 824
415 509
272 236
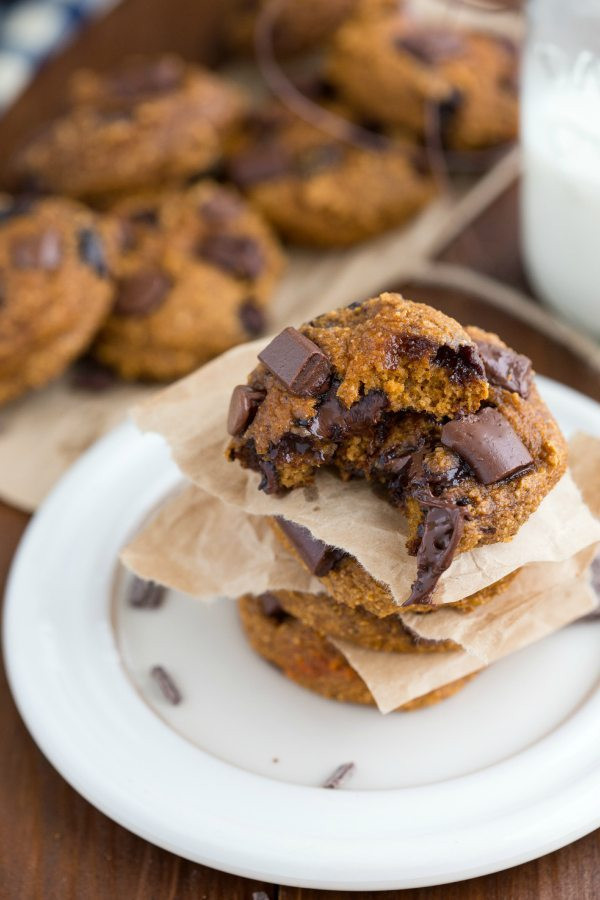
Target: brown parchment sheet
200 544
191 416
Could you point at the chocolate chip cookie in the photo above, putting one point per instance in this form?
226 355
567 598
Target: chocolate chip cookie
195 275
310 660
349 583
147 122
307 183
299 24
55 288
427 78
329 618
445 421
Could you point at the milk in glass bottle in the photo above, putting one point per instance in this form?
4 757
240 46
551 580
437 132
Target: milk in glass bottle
561 149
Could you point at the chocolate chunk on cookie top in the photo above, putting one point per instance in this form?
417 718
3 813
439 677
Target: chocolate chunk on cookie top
401 399
505 368
298 363
489 444
142 293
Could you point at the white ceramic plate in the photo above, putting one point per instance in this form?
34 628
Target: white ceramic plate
505 771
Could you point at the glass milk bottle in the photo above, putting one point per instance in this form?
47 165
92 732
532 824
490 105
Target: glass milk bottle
561 152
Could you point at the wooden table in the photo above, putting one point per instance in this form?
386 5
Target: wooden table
53 844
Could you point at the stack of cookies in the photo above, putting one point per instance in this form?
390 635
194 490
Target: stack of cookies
444 423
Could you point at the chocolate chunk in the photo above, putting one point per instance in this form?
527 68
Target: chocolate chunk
334 421
393 465
90 375
297 362
447 108
147 215
91 251
17 206
318 556
316 159
242 408
269 482
241 256
261 163
463 363
168 688
146 594
137 80
505 368
489 444
252 318
142 293
441 535
37 251
431 45
339 775
272 608
220 208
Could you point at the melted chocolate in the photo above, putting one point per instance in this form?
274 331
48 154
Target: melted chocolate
441 534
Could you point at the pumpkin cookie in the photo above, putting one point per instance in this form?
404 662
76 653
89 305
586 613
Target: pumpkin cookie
307 658
144 123
195 275
307 182
349 583
55 288
447 422
352 622
420 76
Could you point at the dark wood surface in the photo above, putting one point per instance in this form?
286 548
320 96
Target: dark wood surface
53 844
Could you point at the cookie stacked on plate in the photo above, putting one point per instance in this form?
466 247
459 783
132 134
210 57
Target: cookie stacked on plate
444 423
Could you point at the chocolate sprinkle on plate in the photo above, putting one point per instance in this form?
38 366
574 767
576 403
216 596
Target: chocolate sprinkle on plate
489 444
339 776
297 362
168 688
145 594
